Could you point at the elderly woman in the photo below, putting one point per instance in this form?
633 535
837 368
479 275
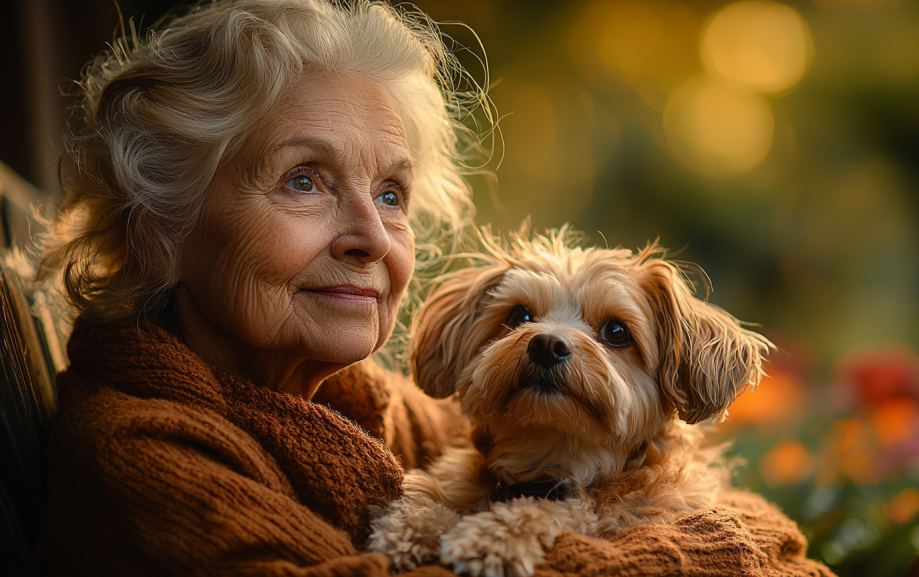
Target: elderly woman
246 192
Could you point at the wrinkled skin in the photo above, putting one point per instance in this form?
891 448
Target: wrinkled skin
312 210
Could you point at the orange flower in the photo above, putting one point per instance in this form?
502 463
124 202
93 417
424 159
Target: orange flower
903 507
853 451
788 463
779 398
895 421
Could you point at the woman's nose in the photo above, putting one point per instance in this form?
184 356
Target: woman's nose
364 239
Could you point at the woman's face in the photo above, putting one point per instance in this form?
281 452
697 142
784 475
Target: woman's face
304 247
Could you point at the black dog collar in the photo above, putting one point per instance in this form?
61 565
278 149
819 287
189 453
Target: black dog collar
551 489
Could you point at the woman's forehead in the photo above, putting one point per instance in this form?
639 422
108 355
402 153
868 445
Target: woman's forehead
343 119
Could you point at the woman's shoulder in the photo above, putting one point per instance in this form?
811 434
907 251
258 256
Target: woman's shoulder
133 382
143 424
125 382
139 360
117 418
142 484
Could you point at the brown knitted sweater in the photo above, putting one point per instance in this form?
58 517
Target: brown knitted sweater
162 465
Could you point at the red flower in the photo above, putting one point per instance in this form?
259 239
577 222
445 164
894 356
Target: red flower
879 375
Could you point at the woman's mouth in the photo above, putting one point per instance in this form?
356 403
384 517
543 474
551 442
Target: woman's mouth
348 293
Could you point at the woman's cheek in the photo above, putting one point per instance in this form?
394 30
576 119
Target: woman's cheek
276 248
403 252
256 254
400 264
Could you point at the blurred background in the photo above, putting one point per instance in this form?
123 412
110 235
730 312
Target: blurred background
774 144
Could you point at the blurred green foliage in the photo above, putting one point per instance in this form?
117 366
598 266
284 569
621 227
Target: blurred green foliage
840 454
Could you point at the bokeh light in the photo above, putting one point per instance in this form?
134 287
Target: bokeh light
895 422
551 166
715 130
904 506
780 399
866 6
761 46
788 463
636 43
535 136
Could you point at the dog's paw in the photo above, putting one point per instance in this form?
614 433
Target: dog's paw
507 541
408 533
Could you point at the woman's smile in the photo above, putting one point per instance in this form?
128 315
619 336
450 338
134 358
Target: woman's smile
348 294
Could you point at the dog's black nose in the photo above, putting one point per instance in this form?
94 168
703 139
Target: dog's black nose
547 350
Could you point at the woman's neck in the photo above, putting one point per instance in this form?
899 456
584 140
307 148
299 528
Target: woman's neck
287 371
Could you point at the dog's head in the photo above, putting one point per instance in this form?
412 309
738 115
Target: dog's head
602 344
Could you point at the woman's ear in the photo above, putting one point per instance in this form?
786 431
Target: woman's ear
446 334
706 357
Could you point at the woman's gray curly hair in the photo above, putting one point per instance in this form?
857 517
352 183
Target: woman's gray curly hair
158 114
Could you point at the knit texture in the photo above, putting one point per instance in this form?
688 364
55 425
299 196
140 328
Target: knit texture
160 464
744 536
414 426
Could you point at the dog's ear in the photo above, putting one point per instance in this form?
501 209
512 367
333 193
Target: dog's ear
445 332
706 357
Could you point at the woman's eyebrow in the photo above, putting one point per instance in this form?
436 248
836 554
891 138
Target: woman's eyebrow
327 151
320 146
401 166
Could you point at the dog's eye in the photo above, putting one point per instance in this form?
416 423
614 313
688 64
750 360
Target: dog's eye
519 315
615 333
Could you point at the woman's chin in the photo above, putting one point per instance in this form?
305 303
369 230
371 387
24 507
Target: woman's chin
342 341
339 329
350 353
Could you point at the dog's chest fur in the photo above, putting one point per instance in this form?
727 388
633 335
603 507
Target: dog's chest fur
663 479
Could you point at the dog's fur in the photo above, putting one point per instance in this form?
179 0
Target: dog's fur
609 423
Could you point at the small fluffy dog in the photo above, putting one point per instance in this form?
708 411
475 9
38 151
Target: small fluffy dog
581 371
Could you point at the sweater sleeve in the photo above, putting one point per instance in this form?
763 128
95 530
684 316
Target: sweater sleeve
153 488
743 536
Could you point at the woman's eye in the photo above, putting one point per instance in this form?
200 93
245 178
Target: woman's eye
389 198
519 315
301 183
615 333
